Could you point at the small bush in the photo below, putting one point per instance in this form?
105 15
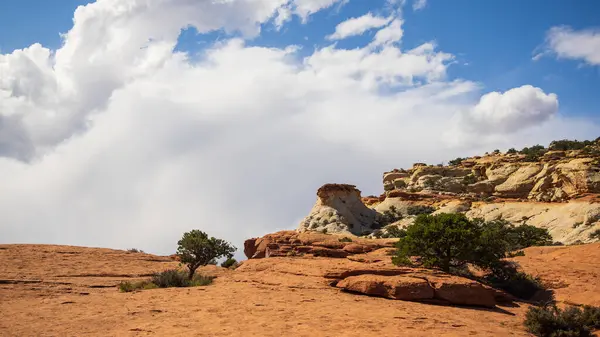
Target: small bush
201 281
394 232
324 231
577 224
387 217
134 250
229 263
170 278
550 321
512 150
456 161
345 239
420 209
127 287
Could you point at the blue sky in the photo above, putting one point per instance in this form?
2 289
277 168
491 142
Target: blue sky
493 41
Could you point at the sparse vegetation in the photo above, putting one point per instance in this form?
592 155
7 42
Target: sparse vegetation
512 150
455 162
551 321
127 286
577 224
451 241
595 235
566 145
534 153
196 249
345 239
134 250
387 217
170 278
166 279
231 262
419 209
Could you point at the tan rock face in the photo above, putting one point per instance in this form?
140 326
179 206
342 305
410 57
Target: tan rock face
557 176
422 286
293 243
339 209
560 191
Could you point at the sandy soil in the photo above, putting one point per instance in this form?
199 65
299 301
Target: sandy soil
71 291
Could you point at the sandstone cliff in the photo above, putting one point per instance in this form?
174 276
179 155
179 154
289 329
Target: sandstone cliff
557 188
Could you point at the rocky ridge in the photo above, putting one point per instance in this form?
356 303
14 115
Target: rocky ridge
556 188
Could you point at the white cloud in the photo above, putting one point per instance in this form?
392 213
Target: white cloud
419 4
389 34
577 45
357 26
305 8
506 113
130 144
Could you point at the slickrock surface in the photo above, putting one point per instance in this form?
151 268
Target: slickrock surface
573 272
71 291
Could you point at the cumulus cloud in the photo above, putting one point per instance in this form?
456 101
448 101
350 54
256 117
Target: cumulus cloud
505 113
357 26
574 44
389 34
116 140
419 4
304 8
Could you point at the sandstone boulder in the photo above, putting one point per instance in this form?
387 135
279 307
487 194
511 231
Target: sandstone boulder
404 288
422 287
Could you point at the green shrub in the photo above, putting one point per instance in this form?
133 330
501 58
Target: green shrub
127 286
565 145
456 161
196 249
512 150
595 234
134 250
394 232
201 281
550 321
533 154
229 263
451 241
345 239
387 217
419 209
170 278
443 240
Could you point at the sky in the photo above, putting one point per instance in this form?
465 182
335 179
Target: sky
124 123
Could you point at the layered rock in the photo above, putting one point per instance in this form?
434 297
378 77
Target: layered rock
555 176
339 209
360 266
293 243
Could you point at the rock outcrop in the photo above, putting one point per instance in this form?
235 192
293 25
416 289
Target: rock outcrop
554 176
293 243
339 209
554 188
362 266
